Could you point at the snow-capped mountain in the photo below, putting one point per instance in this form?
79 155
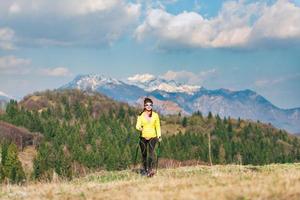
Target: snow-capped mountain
171 97
92 82
149 83
113 88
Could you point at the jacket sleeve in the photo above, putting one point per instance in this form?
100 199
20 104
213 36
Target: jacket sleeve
139 123
157 127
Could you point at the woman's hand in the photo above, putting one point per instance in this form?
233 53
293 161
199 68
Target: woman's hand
159 139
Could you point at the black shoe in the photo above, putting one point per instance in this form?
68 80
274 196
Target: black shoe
144 172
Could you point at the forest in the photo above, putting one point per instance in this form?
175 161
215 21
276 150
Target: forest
86 131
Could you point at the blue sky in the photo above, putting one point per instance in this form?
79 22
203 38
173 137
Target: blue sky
236 44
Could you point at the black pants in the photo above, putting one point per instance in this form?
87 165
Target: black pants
150 144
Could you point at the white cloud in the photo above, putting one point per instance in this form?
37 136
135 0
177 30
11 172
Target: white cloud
69 22
141 78
271 82
238 24
58 71
183 77
157 3
14 8
189 77
63 7
281 20
89 6
13 65
7 36
169 1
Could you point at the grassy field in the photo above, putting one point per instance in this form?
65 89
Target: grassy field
278 181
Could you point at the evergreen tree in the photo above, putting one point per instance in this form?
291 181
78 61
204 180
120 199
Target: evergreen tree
11 109
12 168
184 121
121 114
210 116
42 162
229 127
225 120
198 113
222 154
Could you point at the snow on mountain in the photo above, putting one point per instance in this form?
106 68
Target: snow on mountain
149 83
146 82
92 81
111 87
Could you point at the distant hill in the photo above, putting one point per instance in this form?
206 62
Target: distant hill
171 98
57 100
19 135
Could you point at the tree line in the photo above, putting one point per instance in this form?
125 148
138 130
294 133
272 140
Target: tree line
79 138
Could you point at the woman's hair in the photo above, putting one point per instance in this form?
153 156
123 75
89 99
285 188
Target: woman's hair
147 100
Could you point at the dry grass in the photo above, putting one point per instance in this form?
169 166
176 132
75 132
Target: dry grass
26 157
171 129
198 182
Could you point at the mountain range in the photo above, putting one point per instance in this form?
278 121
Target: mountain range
171 97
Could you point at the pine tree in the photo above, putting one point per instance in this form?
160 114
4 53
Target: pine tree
239 122
225 120
77 109
222 154
1 165
184 121
4 149
179 114
121 113
90 106
2 176
62 164
229 128
198 113
43 162
11 109
210 116
13 168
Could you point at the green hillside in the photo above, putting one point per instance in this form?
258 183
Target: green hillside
85 132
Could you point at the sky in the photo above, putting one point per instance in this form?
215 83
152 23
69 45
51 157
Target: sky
232 44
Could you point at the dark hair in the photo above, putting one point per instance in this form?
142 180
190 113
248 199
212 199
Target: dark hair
147 100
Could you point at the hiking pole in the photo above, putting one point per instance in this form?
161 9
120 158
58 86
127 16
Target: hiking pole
136 152
157 155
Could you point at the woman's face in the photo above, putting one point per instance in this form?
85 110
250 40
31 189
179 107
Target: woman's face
148 106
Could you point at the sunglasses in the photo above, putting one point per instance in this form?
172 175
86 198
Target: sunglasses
149 104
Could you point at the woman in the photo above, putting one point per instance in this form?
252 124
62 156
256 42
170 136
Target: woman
148 123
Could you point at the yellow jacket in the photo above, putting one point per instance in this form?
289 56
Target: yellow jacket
150 128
